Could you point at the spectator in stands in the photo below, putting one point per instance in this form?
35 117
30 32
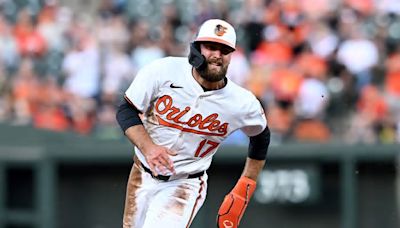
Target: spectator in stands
392 88
359 54
112 30
275 49
82 79
30 42
51 28
118 70
285 83
239 68
321 39
258 81
281 119
172 31
5 96
310 107
9 55
50 114
371 117
25 87
146 48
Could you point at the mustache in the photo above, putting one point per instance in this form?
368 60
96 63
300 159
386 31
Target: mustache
217 61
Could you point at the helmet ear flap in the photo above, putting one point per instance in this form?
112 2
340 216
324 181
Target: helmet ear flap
196 59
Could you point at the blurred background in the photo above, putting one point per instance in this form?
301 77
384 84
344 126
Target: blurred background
326 71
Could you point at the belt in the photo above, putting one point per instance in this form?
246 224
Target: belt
166 178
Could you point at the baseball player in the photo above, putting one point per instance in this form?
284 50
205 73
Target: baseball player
176 112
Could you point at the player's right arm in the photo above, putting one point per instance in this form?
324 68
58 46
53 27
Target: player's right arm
156 156
138 98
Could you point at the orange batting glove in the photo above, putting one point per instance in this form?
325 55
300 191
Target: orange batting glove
232 208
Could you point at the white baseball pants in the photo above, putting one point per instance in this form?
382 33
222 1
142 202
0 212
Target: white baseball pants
154 203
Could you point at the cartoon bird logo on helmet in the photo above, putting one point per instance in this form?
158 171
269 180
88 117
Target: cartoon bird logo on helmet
220 30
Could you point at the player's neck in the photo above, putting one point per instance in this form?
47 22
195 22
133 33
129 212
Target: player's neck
206 84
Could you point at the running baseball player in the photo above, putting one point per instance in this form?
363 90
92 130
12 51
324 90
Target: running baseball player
176 112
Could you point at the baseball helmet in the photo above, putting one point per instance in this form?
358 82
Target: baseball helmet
213 30
219 31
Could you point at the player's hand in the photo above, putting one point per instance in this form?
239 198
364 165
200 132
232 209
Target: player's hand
158 159
234 205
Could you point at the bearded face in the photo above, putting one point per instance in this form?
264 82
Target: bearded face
214 71
218 57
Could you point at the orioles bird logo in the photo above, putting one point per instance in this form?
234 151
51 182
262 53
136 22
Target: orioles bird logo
220 30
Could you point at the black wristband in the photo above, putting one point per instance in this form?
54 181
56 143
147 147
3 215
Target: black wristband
258 145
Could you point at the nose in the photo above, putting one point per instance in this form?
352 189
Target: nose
217 53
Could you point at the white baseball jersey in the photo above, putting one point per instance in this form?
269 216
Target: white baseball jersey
180 115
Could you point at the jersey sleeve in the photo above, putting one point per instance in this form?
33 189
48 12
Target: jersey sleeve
255 119
143 88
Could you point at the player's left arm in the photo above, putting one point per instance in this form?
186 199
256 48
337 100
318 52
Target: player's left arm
235 203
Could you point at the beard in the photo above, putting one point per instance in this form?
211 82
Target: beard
214 74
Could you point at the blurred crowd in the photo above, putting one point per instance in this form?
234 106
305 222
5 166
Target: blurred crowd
324 70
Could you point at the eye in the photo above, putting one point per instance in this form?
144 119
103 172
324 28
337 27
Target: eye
225 50
211 47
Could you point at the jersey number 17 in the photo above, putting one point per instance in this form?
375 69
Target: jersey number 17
205 147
